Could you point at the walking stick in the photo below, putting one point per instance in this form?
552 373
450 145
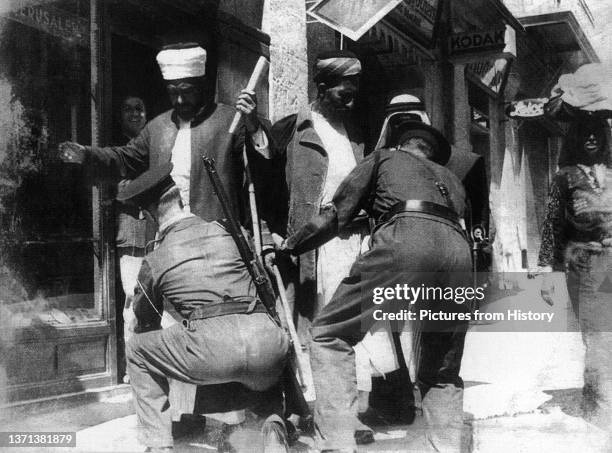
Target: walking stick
260 69
252 204
300 361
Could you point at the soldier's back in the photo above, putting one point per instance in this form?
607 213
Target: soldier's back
197 262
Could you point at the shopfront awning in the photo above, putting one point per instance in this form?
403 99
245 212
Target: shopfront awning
563 32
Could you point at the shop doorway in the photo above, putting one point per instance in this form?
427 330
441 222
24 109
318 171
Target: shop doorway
477 179
134 73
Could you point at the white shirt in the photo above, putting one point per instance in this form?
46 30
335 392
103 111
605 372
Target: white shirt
596 174
181 161
181 157
341 159
335 258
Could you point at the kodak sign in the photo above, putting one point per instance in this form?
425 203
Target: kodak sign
476 42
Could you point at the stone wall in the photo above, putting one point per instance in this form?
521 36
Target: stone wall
285 22
320 38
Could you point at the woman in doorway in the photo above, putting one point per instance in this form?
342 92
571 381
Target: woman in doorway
577 239
131 227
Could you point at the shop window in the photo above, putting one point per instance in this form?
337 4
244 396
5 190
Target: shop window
48 270
479 110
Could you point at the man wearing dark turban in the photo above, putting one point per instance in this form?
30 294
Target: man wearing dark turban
316 149
320 146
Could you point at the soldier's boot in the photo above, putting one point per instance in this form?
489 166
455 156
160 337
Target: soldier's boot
274 435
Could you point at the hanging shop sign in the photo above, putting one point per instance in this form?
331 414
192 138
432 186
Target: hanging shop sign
417 18
490 74
53 21
487 55
476 45
527 108
352 18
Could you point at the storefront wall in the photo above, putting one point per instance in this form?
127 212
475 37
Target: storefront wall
54 298
57 260
284 21
478 132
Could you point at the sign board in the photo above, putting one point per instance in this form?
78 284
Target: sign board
490 73
51 20
527 108
500 41
417 17
352 18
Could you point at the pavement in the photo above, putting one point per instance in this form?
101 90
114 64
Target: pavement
523 393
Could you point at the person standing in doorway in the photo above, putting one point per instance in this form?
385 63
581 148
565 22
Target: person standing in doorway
131 234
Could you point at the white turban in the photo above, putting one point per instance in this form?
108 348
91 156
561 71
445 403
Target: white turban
182 63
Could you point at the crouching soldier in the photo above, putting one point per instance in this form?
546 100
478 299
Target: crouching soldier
226 343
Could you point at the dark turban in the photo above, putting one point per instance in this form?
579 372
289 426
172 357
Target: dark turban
333 65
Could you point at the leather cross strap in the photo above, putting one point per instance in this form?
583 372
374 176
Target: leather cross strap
426 207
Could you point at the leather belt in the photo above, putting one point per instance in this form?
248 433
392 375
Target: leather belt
229 306
426 207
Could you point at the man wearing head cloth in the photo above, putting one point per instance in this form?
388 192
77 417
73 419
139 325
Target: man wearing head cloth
402 107
226 343
195 126
316 148
418 241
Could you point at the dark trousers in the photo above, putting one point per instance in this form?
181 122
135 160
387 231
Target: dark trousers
412 251
245 351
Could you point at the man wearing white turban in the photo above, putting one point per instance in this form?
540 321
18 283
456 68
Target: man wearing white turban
194 127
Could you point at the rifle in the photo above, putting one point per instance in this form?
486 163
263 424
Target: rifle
293 393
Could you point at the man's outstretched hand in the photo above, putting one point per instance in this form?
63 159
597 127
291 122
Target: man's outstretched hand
72 153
